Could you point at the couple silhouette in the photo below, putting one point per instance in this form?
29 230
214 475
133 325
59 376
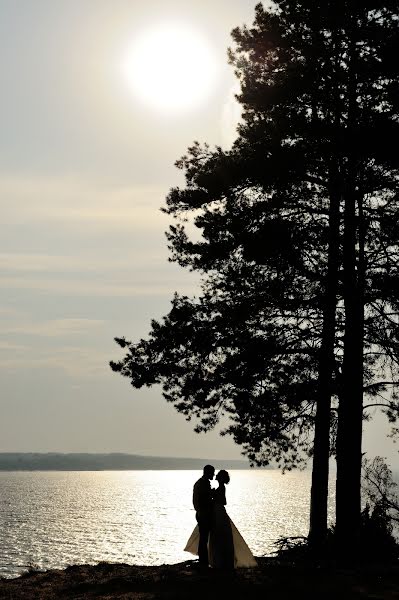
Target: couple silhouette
216 540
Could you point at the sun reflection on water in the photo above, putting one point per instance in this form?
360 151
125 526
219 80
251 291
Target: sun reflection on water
53 519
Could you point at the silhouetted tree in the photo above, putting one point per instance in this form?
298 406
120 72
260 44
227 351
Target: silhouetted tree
344 82
303 95
275 181
261 215
381 511
379 487
298 236
369 117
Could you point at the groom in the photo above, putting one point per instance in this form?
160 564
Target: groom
202 500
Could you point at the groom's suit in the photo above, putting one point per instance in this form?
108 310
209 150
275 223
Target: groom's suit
202 500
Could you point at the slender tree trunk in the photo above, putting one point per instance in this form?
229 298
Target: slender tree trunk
321 447
350 413
321 450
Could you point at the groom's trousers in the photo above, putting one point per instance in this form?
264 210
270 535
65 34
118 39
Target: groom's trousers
204 526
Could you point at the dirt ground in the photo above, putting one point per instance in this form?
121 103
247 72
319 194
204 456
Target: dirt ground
272 579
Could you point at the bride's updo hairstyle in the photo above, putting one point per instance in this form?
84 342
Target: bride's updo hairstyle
223 477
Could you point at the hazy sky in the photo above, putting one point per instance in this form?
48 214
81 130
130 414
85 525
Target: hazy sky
85 164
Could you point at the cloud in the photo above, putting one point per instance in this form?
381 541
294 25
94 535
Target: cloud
9 312
53 328
46 345
71 246
62 200
6 346
71 237
36 262
75 362
153 286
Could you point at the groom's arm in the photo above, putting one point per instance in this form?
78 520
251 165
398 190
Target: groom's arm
196 496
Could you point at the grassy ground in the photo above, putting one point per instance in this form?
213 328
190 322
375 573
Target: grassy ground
273 579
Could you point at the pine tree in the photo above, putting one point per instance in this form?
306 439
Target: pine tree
299 242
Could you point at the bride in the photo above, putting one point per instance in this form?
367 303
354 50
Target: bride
227 548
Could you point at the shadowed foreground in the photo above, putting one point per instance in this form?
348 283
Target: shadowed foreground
273 579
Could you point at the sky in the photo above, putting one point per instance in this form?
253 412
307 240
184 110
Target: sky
86 161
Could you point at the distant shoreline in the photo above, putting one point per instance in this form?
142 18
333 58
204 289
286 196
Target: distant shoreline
115 461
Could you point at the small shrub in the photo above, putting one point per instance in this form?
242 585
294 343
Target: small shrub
377 542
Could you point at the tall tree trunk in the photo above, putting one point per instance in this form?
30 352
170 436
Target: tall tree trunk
350 413
321 446
321 449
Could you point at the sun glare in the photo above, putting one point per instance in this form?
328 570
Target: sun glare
171 68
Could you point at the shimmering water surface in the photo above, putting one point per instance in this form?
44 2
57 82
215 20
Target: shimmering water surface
54 519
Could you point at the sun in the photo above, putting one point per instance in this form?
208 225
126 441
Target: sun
171 68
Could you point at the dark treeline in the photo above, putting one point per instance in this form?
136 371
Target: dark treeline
54 461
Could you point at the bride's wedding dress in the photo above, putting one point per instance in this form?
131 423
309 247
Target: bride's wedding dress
226 546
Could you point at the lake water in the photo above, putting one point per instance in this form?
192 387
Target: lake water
54 519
